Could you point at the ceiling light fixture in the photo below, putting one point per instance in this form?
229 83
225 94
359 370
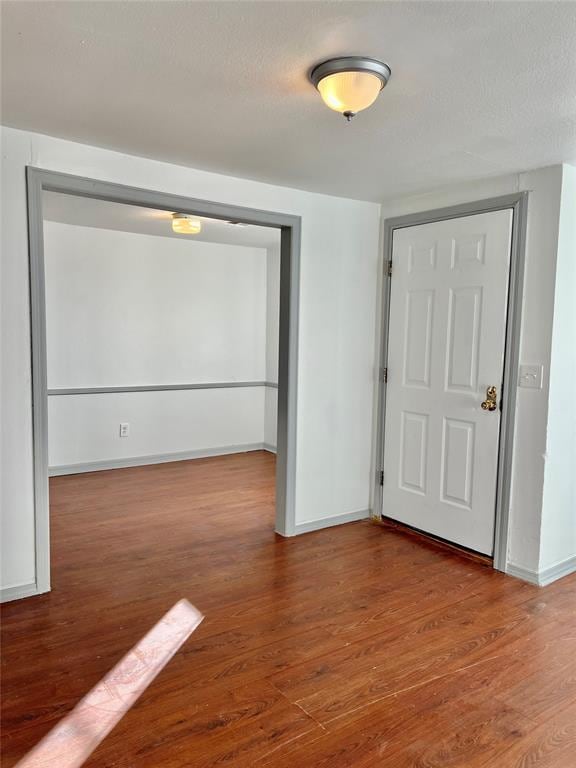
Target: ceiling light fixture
184 224
351 83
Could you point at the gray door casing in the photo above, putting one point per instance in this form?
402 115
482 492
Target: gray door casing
518 202
38 181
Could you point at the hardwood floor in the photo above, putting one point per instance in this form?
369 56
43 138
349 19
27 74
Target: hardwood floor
353 646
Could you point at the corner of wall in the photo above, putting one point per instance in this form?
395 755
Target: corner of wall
558 532
529 459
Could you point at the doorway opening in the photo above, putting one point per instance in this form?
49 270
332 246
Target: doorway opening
168 358
452 298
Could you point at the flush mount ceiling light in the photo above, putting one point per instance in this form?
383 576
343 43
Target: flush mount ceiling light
184 224
350 84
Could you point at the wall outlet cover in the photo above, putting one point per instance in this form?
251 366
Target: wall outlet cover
124 429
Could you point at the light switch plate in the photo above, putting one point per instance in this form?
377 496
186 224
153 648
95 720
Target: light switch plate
530 376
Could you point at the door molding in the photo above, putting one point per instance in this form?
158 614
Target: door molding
39 180
518 202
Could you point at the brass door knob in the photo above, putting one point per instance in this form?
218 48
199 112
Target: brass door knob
490 404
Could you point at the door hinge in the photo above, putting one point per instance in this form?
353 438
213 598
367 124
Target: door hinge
381 477
384 375
389 270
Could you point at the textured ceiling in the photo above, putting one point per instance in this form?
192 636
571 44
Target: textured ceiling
89 212
477 88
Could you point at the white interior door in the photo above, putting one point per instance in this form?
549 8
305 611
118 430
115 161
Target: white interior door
445 348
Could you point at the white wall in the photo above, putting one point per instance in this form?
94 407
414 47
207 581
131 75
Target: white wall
537 315
559 503
126 309
272 312
272 337
336 354
84 429
270 418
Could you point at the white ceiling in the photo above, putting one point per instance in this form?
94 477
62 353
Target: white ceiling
477 88
89 212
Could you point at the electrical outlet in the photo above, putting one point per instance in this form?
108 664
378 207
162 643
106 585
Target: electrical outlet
124 429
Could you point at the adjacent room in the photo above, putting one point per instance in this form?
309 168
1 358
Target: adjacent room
288 414
162 347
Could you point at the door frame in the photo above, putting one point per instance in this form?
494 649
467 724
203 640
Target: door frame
518 202
38 181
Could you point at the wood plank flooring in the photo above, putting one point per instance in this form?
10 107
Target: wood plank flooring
353 646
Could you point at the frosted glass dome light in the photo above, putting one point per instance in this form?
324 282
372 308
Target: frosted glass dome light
350 84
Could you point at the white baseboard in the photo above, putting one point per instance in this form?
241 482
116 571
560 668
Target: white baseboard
269 447
328 522
162 458
519 572
557 571
545 576
18 593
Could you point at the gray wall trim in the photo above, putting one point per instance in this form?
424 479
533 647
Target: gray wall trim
18 593
269 447
39 383
510 381
288 378
518 202
378 490
457 211
54 181
158 388
159 458
39 180
328 522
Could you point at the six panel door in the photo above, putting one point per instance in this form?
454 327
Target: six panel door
445 349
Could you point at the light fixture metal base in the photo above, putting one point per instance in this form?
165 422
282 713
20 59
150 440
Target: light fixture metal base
350 64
